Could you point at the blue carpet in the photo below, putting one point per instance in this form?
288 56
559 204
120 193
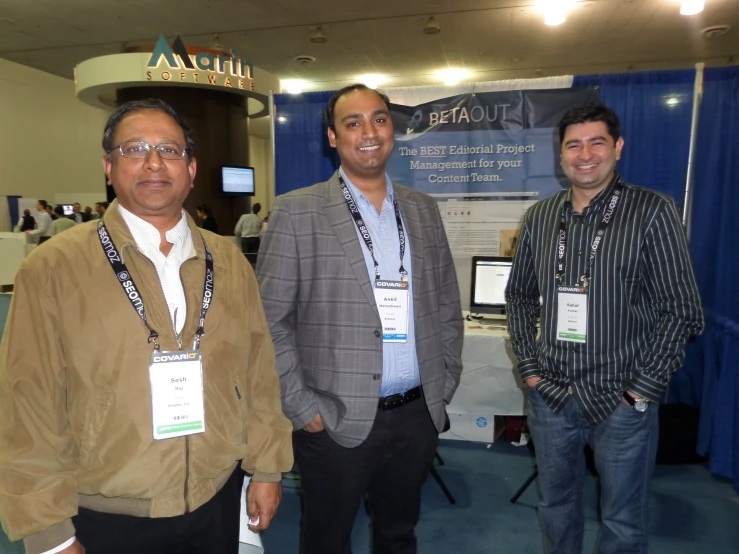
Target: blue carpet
691 511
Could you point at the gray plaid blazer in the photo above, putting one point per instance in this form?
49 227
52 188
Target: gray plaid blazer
321 310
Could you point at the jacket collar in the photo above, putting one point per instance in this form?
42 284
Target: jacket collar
122 237
339 217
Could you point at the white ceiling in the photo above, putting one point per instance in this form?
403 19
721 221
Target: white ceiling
493 39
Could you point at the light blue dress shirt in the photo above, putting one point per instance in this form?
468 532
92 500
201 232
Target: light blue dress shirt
399 360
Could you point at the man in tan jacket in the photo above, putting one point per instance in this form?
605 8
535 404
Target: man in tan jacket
126 429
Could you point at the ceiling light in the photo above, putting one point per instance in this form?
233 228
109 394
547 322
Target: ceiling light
432 26
692 7
373 80
555 11
293 86
317 36
452 76
217 44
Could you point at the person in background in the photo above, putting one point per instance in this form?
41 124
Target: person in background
248 228
26 222
127 429
205 215
88 213
43 229
606 266
61 223
50 211
78 216
98 210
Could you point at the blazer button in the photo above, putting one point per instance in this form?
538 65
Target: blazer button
376 377
377 333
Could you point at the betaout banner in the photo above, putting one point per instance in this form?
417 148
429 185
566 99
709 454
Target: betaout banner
490 142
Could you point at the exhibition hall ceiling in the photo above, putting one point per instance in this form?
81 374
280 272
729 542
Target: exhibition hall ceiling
490 39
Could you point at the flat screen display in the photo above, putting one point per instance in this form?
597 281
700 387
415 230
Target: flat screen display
68 209
237 180
489 279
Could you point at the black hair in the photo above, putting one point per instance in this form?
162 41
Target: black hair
205 209
58 210
328 111
27 212
256 208
585 113
154 104
43 203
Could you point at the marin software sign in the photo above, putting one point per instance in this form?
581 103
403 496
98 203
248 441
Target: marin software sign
174 64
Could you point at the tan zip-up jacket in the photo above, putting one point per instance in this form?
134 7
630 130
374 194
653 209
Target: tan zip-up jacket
75 398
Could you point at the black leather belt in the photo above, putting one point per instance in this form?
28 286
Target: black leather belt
397 400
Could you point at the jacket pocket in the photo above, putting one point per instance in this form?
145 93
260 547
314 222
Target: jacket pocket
94 422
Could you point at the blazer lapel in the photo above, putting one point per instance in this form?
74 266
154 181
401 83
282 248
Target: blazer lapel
412 224
341 220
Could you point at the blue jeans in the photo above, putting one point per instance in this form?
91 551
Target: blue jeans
625 448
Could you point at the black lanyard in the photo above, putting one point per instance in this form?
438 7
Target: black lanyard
609 212
133 294
354 210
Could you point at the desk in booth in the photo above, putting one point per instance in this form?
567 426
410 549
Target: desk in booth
488 387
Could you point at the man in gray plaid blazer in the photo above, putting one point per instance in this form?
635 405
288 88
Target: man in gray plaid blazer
360 292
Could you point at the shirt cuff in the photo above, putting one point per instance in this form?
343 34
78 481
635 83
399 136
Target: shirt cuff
529 368
261 477
65 544
646 387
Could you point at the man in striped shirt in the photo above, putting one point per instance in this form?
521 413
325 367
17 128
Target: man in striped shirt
606 266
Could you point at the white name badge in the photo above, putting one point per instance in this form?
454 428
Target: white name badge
572 314
391 298
178 408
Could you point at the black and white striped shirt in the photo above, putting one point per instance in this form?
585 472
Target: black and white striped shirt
643 301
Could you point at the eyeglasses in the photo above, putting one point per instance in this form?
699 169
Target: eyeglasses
139 150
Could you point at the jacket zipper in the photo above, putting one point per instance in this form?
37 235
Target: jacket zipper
178 339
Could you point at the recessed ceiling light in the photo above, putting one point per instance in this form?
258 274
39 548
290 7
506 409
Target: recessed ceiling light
372 80
555 11
452 76
692 7
293 86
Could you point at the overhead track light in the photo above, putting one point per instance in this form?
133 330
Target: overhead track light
432 26
317 36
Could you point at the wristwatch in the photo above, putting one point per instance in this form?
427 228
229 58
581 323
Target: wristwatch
640 405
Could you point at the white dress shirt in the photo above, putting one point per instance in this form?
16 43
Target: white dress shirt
168 268
43 225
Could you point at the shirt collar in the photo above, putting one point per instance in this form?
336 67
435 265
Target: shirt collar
147 236
605 193
356 193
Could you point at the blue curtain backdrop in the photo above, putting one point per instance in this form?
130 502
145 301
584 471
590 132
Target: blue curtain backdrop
302 153
716 194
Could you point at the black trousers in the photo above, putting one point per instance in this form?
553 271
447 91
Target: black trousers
250 245
389 466
211 529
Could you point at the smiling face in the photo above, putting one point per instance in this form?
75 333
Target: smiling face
589 155
150 187
364 134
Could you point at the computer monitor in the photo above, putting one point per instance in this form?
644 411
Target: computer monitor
237 180
68 209
489 279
